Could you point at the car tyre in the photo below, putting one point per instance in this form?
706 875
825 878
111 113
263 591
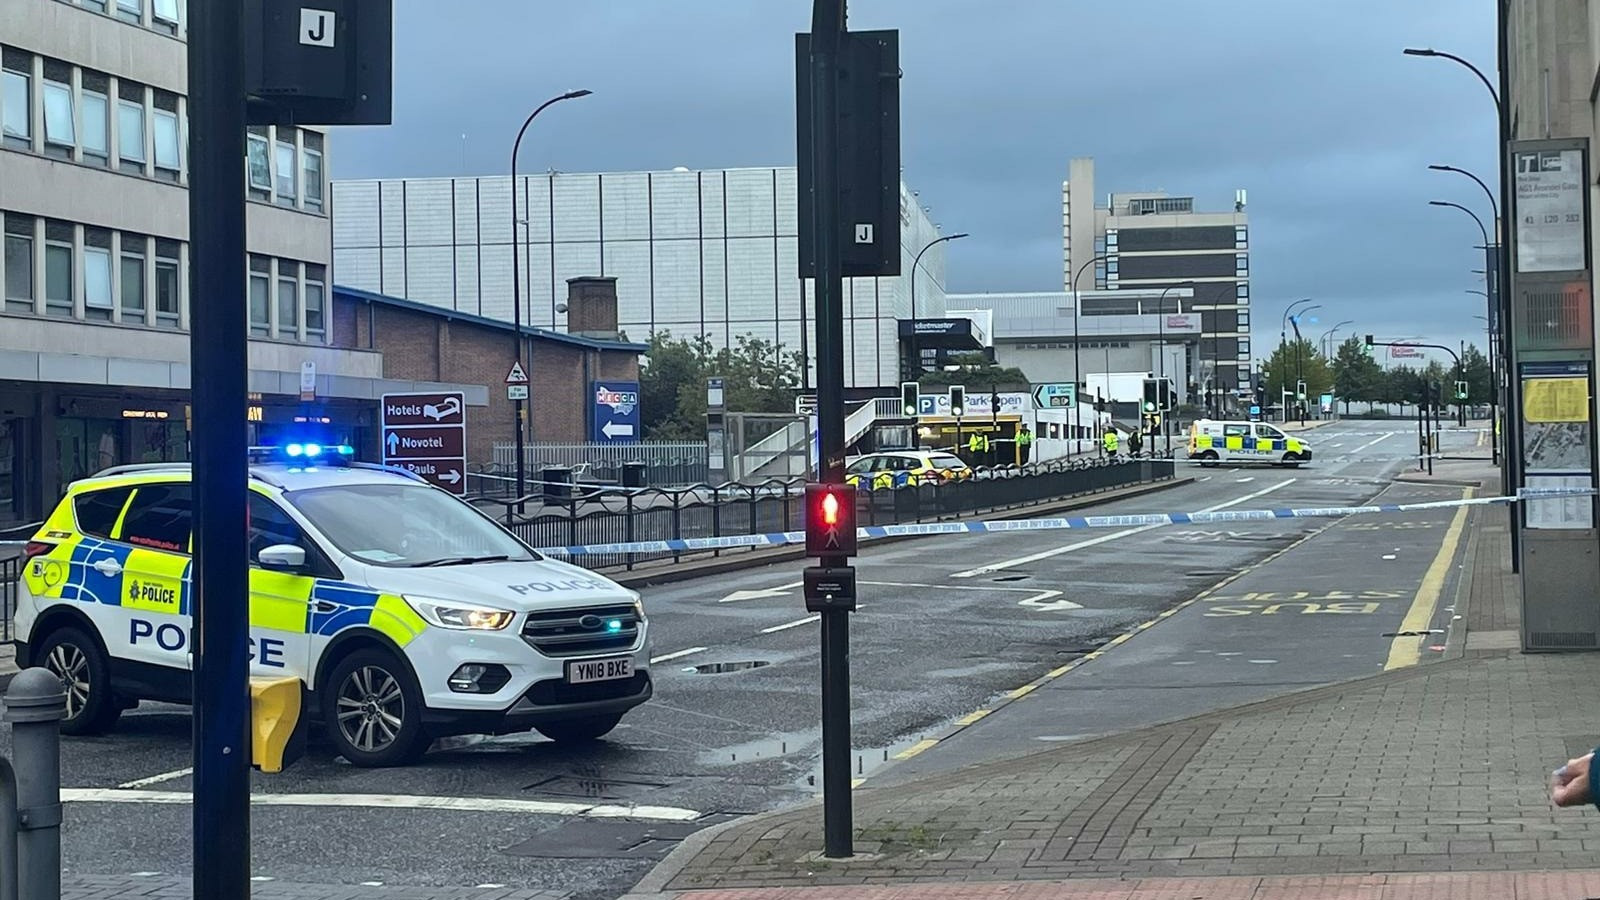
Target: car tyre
85 672
579 731
373 711
1209 458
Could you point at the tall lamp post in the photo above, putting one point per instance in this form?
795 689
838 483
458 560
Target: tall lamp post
1508 474
1326 341
1283 344
516 286
1077 365
1494 380
1161 354
1299 359
916 346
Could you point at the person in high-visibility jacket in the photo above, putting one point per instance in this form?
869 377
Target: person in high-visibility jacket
1024 444
978 448
1111 440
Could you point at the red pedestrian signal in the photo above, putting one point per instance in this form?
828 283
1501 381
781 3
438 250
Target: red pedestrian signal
830 520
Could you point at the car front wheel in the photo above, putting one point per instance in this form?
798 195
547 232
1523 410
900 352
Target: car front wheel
374 711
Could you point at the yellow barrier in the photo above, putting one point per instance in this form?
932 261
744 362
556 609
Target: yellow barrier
274 722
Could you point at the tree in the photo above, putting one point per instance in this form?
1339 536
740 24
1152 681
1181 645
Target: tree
1289 363
977 372
758 376
1402 384
1475 371
1356 375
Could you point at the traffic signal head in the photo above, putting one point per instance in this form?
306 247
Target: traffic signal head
958 400
1461 390
1369 340
830 520
1152 392
910 398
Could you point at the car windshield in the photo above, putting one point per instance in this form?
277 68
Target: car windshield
405 525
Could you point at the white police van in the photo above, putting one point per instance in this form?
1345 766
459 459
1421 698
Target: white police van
408 614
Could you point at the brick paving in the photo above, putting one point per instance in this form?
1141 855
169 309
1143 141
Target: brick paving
129 887
1440 768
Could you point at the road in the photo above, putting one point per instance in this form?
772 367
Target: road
949 629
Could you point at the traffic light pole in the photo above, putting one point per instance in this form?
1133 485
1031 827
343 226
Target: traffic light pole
827 25
218 345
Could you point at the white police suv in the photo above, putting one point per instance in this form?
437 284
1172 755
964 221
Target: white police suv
408 614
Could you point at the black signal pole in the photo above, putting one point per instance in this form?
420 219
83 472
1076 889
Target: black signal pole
218 350
827 26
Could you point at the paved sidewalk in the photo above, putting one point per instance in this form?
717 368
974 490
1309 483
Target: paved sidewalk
158 887
1433 769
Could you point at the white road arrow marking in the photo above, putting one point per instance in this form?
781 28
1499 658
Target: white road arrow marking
616 429
1043 601
761 593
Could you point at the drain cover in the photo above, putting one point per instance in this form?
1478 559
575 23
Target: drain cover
1413 633
593 788
723 667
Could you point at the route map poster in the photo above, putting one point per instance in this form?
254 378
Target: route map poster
1557 432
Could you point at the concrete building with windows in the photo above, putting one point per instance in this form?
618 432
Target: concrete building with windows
94 294
1151 240
711 252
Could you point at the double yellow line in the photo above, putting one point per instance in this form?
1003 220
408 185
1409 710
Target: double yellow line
1407 651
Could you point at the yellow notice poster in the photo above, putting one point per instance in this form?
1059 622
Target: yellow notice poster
1555 400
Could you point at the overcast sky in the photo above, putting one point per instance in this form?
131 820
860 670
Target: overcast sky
1309 106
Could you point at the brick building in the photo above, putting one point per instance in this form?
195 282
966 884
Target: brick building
421 342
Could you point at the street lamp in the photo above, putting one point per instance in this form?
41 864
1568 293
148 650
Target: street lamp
916 349
516 283
1481 230
1299 361
1283 344
1161 353
1077 366
1326 343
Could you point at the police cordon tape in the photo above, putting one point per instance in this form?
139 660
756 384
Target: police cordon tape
1068 523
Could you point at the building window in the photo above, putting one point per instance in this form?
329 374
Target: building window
98 6
1244 319
260 296
316 320
1241 264
288 301
96 111
60 135
1111 241
132 286
1111 266
130 10
168 285
1242 292
165 15
19 263
260 167
130 128
167 154
97 274
286 174
1241 237
16 106
312 171
1244 348
58 268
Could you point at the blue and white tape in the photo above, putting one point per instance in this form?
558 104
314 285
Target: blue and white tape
1065 523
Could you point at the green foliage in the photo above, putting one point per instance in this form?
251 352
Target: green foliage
759 377
1289 363
976 372
1356 375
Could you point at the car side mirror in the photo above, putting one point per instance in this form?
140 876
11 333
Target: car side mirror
283 558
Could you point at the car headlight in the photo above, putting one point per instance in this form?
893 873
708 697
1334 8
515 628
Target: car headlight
638 608
459 616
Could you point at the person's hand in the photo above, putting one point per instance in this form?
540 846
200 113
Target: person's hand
1569 785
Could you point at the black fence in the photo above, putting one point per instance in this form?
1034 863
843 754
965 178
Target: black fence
10 585
581 514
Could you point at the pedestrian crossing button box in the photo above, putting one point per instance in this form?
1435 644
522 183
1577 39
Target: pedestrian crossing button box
830 589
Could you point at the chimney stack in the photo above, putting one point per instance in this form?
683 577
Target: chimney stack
592 307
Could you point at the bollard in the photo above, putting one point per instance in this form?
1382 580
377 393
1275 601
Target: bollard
35 705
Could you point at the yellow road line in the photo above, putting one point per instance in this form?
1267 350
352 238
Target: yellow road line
971 717
1022 691
916 748
1407 651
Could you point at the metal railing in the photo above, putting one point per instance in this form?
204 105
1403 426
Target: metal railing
566 516
666 462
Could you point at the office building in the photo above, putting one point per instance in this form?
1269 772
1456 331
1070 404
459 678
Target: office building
710 253
1153 240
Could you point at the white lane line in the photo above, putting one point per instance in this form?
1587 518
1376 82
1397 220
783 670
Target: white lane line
795 624
157 779
661 659
1384 437
761 593
1115 535
399 801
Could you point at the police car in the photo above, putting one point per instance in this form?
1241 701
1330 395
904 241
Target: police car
1212 441
407 613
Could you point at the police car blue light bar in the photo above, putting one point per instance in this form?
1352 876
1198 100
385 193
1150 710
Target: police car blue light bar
306 452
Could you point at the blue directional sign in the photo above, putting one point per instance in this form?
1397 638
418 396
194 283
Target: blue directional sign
614 417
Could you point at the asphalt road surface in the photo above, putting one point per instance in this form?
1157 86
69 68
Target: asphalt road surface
947 626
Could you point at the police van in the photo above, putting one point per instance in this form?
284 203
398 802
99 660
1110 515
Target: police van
408 614
1213 441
